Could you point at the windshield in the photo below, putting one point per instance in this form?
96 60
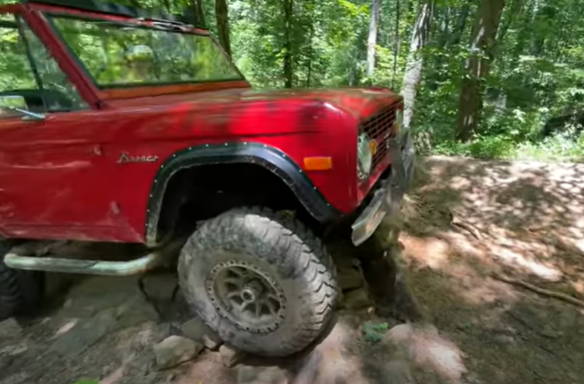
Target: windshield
126 55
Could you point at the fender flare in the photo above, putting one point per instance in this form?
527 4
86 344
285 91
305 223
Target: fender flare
270 158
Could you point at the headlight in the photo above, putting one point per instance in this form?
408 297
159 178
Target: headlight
399 121
364 156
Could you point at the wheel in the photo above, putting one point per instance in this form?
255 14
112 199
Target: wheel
20 291
260 279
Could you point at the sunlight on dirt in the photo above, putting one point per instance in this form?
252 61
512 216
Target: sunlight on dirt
467 219
527 217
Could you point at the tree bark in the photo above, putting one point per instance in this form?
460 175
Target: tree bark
372 40
462 20
477 66
195 14
199 11
222 16
310 54
445 34
288 68
397 42
166 5
415 63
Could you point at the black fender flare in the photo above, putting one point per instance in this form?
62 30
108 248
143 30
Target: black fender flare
263 155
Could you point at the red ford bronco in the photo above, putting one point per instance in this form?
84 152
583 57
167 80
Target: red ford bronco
119 125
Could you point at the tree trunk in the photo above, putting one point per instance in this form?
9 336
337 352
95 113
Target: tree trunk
222 15
445 33
310 54
415 64
200 12
372 40
462 20
288 70
451 32
477 66
397 42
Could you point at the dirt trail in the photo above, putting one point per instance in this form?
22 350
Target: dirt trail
463 220
525 220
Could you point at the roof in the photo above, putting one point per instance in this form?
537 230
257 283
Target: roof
116 9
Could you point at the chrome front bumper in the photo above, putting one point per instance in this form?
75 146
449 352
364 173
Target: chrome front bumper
386 201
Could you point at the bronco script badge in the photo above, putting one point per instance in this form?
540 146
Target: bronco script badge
127 158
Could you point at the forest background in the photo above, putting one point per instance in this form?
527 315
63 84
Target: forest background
481 78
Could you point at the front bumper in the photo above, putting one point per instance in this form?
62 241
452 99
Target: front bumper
386 201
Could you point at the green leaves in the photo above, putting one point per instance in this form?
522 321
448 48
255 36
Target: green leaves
374 332
537 71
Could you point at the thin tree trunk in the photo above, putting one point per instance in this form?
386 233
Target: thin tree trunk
452 32
288 69
397 42
444 28
199 11
222 16
372 40
136 4
310 54
166 5
415 64
195 13
462 20
477 66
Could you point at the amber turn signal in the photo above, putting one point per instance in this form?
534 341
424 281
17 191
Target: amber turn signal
318 163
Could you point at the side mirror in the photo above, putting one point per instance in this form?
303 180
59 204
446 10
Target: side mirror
16 105
12 102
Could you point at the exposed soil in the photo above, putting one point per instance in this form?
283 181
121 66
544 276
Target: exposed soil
523 220
463 221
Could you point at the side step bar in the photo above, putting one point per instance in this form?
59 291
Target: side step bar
140 265
90 267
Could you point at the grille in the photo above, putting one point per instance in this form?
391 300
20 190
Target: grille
379 128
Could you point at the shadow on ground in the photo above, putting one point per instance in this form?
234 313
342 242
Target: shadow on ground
466 219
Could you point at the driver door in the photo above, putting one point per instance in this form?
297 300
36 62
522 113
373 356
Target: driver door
48 165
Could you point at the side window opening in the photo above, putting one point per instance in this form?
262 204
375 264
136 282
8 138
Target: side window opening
28 70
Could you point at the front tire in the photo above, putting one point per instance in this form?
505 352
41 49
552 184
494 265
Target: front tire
20 291
260 279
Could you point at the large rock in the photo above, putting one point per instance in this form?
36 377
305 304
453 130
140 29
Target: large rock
350 278
98 294
398 371
196 330
426 348
175 350
84 334
260 375
10 329
230 356
357 299
160 287
306 369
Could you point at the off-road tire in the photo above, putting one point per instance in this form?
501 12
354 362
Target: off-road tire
20 291
281 247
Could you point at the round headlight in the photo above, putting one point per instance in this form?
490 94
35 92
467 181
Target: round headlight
364 156
399 117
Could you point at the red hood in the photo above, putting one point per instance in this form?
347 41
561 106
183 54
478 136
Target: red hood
359 102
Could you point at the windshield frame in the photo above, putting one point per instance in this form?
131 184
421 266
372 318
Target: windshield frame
135 23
